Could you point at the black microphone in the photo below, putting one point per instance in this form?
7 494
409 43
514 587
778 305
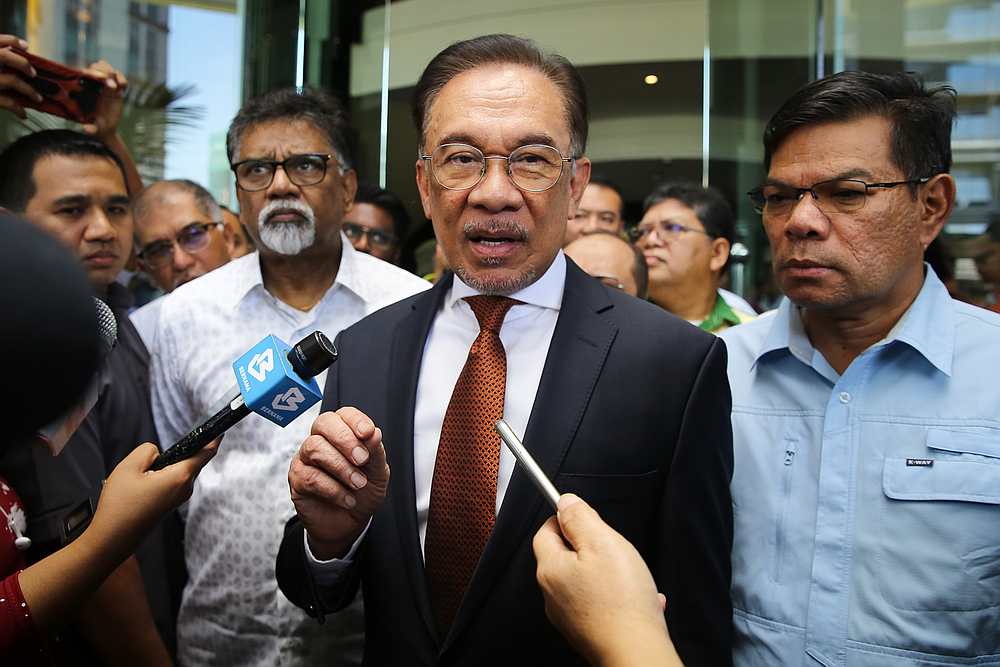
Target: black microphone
271 389
57 433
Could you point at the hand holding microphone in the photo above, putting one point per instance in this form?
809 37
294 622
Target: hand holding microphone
273 380
132 501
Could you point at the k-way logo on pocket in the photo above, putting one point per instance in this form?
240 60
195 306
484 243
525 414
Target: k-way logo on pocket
288 401
261 364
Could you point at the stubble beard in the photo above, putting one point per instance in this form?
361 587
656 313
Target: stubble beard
496 286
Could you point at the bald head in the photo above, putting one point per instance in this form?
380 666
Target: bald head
612 260
180 232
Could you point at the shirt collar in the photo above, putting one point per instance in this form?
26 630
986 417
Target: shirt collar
546 292
928 326
722 314
247 274
350 275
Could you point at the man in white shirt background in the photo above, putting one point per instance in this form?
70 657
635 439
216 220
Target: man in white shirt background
291 155
180 235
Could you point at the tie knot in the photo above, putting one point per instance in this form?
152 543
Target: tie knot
490 310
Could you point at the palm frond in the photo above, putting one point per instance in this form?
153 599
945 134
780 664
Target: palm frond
154 115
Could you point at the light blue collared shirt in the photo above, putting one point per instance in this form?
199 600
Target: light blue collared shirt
867 505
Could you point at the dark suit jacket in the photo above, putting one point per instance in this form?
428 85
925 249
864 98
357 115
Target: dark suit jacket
631 414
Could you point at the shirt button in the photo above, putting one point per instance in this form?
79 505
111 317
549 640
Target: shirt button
844 397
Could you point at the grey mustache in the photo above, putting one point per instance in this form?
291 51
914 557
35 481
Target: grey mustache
516 230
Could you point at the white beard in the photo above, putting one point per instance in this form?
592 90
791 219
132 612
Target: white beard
287 238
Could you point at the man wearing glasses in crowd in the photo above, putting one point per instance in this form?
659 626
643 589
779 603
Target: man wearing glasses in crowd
865 417
617 400
181 235
377 223
686 233
291 155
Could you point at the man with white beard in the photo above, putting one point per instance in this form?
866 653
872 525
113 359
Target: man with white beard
291 154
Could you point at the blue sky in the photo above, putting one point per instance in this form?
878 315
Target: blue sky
203 49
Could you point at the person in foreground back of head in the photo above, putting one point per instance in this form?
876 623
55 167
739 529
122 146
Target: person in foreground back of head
599 592
74 188
865 415
36 270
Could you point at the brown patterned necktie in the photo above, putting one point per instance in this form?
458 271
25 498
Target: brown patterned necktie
464 488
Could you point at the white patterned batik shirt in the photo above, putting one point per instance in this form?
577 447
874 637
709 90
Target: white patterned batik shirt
232 613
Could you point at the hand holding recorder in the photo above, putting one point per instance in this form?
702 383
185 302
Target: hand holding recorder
599 592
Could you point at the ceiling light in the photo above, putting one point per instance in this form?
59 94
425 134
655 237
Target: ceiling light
651 79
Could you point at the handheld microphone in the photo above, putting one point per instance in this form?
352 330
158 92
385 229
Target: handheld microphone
57 433
275 381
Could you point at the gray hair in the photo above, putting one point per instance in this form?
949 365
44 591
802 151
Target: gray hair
317 107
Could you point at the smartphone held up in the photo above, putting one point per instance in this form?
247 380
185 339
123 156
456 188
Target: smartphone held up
66 92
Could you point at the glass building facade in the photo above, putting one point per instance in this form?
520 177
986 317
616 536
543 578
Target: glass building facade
679 89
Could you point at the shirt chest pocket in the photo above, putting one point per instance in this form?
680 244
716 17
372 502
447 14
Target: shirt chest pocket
940 524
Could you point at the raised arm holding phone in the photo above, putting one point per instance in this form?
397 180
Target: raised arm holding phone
16 93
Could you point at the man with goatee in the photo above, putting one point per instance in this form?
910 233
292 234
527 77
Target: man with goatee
291 156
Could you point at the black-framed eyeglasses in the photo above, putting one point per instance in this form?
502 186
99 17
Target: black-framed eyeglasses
665 229
838 195
190 239
303 170
532 168
376 237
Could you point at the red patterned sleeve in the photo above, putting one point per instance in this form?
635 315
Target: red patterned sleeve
18 635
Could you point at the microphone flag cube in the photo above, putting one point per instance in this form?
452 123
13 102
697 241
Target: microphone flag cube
270 386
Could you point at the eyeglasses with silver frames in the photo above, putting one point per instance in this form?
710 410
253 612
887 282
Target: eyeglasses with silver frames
532 168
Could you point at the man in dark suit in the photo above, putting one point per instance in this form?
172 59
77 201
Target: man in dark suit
622 404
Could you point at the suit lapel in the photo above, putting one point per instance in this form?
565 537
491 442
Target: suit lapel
404 373
579 347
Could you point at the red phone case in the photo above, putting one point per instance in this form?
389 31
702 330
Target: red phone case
66 92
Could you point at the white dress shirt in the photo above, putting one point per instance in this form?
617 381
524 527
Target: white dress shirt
232 612
526 334
144 320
